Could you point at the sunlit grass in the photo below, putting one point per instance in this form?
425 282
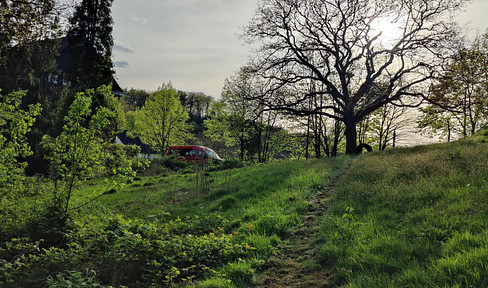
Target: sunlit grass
258 204
419 218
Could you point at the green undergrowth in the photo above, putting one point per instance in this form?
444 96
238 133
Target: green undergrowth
415 217
204 229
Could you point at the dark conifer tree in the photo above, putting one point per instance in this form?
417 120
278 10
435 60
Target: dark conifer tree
90 41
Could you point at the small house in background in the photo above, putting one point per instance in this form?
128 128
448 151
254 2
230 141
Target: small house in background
145 151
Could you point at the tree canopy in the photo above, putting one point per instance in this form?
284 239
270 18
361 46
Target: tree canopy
15 123
459 103
21 21
336 45
162 120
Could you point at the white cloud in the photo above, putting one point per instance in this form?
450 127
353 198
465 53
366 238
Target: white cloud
121 64
139 20
121 48
189 42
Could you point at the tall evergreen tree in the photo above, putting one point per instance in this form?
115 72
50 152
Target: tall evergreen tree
90 40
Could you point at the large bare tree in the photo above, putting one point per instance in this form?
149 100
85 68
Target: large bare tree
347 47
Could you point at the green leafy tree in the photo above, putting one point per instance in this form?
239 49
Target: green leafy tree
461 91
162 121
234 118
29 67
15 123
197 104
135 98
437 121
90 41
380 128
80 152
230 128
27 59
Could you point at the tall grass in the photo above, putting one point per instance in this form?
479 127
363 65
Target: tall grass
413 217
257 204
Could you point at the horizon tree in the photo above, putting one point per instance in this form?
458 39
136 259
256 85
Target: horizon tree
340 45
381 128
238 121
162 121
233 119
461 92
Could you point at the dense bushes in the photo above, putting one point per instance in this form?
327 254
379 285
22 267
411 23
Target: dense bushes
115 251
173 164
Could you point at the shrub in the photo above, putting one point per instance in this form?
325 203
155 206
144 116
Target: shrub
74 279
165 164
226 164
216 282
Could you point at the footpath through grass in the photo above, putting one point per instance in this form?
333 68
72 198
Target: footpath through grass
204 229
414 217
256 205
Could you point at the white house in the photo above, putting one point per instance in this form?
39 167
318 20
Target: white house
145 150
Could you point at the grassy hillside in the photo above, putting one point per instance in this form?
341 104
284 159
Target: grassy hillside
414 217
204 229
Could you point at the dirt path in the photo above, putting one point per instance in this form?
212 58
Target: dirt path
293 264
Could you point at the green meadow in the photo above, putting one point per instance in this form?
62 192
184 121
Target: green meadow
413 217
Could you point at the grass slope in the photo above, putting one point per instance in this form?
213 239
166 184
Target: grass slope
415 217
254 207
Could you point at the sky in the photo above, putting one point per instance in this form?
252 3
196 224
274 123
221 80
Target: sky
190 43
193 43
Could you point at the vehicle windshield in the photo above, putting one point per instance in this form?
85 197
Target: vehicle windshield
186 152
212 154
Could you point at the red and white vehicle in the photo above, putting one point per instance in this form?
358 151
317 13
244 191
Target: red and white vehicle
192 153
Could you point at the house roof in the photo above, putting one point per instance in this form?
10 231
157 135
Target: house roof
126 140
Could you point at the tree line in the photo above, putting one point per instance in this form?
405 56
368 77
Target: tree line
320 84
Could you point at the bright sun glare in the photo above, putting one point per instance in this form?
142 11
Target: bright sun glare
390 30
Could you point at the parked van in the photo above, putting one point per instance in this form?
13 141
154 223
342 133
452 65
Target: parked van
197 154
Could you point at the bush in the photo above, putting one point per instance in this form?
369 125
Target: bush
216 282
74 279
166 164
226 164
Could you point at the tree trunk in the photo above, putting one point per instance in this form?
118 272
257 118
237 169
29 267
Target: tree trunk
351 137
308 138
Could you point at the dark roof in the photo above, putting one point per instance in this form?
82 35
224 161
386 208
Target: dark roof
64 58
126 140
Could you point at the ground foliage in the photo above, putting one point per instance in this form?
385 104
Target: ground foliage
216 234
411 217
